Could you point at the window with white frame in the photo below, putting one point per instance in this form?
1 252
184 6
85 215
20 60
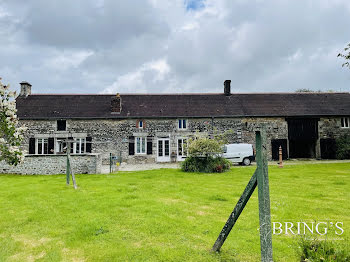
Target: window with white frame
42 145
80 146
76 147
140 145
182 147
60 145
182 124
140 124
345 122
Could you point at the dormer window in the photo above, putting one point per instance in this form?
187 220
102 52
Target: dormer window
345 122
182 124
61 125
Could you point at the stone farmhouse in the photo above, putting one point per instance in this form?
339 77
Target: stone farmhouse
147 128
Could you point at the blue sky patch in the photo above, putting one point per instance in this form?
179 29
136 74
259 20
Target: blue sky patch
194 4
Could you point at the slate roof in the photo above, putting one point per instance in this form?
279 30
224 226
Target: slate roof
57 106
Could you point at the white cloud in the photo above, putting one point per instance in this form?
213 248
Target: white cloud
295 57
67 60
136 81
190 26
3 13
159 46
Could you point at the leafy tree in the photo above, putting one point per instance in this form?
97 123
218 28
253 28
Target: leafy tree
304 90
307 90
11 134
346 56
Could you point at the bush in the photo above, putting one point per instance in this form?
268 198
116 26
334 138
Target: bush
343 147
204 147
317 250
205 164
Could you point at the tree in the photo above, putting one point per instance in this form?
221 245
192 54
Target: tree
307 90
304 90
11 134
346 56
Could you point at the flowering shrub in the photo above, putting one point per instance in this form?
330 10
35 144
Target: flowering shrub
204 155
202 146
11 134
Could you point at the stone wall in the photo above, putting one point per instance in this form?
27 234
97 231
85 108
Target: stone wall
330 127
54 164
112 135
276 128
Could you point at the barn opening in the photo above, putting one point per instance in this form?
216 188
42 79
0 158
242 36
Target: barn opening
302 136
328 148
275 145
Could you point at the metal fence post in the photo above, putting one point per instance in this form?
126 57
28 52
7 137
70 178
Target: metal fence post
110 163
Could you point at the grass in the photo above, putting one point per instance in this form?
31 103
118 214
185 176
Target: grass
163 215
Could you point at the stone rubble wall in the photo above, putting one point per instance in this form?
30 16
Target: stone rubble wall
112 135
54 164
330 127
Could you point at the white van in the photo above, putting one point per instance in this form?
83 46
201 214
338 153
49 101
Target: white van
239 153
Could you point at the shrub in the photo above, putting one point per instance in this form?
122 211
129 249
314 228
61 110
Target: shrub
204 147
343 147
317 250
208 164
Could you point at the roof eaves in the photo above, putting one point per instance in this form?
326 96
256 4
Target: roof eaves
176 117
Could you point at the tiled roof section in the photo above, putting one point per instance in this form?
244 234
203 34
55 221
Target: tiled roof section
184 105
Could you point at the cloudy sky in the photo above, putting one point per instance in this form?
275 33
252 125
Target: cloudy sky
159 46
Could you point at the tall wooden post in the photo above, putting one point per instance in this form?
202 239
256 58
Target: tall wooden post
248 191
72 174
68 164
260 179
264 199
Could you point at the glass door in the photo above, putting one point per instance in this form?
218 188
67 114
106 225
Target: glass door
181 149
163 150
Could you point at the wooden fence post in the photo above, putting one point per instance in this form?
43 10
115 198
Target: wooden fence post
68 165
248 191
264 199
260 179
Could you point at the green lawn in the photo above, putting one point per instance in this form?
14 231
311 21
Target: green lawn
162 215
